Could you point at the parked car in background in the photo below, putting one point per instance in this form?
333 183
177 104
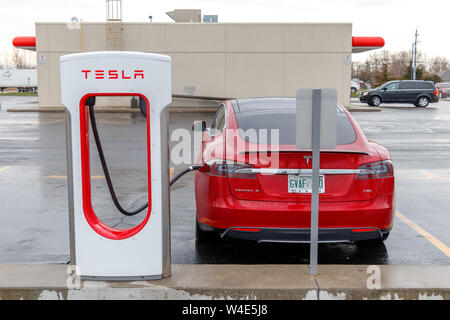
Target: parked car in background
418 92
364 86
251 200
444 89
355 87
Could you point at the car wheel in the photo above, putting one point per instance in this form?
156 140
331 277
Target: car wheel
353 90
423 102
204 236
375 101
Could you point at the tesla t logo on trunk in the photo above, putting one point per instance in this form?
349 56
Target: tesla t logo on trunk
113 74
307 158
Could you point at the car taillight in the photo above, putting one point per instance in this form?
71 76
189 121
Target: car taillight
231 169
375 170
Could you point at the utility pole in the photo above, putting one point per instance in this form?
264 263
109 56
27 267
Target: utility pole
412 62
415 55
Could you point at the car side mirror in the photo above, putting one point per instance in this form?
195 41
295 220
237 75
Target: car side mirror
384 89
199 126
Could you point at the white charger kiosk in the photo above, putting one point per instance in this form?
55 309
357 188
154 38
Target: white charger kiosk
98 251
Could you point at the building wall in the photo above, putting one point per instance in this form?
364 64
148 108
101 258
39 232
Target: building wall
218 60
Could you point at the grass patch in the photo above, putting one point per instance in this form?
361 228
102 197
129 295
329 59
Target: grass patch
357 94
18 94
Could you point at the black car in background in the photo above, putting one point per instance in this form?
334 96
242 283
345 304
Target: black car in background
418 92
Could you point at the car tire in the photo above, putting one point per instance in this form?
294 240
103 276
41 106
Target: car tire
353 90
423 102
204 237
375 101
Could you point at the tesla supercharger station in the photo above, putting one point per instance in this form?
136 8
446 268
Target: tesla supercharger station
97 250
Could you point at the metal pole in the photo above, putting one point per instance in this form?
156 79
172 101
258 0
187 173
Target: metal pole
69 159
415 56
412 61
316 114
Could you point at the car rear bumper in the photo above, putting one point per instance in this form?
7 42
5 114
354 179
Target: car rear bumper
223 211
287 235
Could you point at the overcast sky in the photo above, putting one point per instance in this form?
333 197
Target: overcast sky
394 20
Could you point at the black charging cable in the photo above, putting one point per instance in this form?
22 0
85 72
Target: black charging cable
106 170
182 173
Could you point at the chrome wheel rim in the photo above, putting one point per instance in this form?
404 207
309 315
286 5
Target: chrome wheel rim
423 102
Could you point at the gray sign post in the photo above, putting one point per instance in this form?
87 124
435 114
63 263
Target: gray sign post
316 119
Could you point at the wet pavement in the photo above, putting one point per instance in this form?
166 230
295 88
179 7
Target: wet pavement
33 189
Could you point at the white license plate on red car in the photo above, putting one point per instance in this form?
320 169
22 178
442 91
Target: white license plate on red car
299 183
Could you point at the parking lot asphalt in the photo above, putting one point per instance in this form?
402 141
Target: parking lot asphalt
33 189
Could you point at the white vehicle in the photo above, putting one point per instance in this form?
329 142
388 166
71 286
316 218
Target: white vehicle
355 87
22 79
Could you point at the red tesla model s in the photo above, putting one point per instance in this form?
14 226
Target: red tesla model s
255 185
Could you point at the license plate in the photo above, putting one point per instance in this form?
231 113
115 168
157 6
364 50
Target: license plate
299 183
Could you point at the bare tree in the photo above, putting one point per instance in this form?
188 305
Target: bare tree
378 60
439 64
5 61
399 63
384 65
23 59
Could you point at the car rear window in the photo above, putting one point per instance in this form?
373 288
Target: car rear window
285 122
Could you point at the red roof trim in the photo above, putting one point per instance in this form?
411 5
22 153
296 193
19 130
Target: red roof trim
371 42
24 42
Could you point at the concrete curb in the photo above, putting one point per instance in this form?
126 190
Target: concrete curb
171 109
206 282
